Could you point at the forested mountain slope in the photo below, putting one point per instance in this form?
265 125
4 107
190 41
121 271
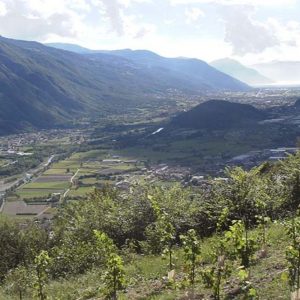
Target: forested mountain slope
43 86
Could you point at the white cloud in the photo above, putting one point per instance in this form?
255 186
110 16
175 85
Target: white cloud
288 33
193 14
3 9
34 19
128 3
245 34
69 19
235 2
134 29
114 12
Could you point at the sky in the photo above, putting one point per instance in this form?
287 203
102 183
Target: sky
250 31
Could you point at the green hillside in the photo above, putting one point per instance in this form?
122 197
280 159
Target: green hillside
235 239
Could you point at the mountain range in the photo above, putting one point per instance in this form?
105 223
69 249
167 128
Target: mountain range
44 87
237 70
192 70
259 74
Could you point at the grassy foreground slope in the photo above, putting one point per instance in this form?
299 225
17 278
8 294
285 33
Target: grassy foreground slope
147 276
231 239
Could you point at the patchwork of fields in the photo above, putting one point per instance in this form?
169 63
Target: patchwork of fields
69 179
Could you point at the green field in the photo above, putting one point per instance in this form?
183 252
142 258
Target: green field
54 171
48 183
66 164
91 181
81 191
93 154
56 185
30 193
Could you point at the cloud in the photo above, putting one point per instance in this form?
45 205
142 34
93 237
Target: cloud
73 19
193 14
114 12
245 34
288 33
235 2
243 31
21 20
3 9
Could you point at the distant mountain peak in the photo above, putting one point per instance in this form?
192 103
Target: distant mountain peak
237 70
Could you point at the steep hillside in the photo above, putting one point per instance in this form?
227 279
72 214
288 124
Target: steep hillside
218 114
240 72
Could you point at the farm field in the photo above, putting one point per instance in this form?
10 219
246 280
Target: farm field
56 171
38 194
51 185
80 192
76 176
70 179
21 208
3 162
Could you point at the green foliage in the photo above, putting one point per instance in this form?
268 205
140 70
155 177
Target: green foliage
293 252
245 194
94 233
165 231
288 171
104 243
247 290
214 276
239 244
19 245
18 281
41 267
191 248
73 257
263 224
114 277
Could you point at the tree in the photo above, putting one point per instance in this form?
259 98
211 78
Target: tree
114 277
215 275
293 253
41 265
165 231
191 248
19 245
239 244
18 280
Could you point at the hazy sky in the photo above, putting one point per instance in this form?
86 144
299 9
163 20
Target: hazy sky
251 31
